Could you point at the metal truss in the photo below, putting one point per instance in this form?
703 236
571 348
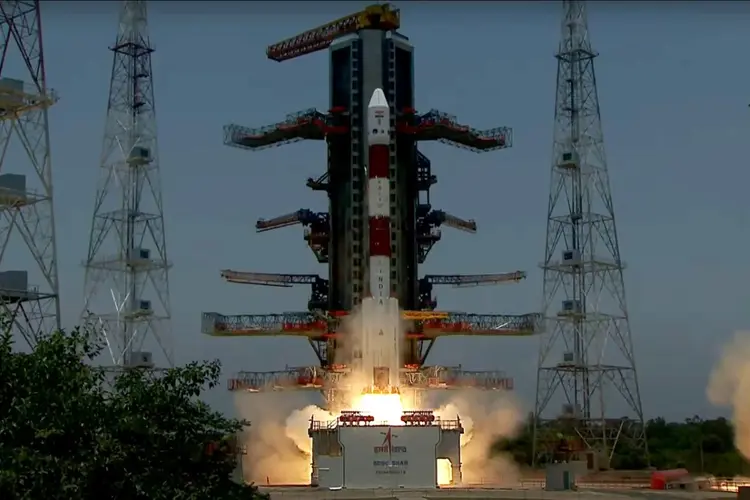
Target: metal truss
311 324
586 364
126 297
317 378
26 204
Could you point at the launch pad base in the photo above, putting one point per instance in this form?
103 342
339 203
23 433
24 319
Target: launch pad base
482 492
358 453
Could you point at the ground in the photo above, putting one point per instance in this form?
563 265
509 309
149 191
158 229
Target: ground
490 494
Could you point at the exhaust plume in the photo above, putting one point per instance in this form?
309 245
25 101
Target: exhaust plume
486 417
278 446
278 449
296 429
729 386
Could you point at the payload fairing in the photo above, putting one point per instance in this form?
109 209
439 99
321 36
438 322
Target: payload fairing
380 349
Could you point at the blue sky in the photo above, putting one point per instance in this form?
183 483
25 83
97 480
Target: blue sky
673 87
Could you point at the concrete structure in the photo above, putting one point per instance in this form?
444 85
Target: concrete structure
562 476
355 452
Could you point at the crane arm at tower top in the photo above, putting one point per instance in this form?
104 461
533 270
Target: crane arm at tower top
318 325
380 16
269 279
315 377
438 126
303 216
309 124
466 280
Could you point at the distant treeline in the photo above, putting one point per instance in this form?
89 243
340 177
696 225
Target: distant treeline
701 446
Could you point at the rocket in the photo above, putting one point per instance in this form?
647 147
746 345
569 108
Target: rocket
378 195
381 357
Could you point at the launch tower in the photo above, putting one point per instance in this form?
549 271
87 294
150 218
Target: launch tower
366 53
126 284
27 222
586 363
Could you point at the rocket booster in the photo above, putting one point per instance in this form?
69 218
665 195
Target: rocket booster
380 313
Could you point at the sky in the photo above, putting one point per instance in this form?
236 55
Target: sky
673 90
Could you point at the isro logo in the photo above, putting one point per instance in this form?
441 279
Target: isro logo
387 445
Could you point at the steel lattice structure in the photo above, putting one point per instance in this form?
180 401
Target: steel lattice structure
587 356
26 176
126 285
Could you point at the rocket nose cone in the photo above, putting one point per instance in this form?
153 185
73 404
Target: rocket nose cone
378 99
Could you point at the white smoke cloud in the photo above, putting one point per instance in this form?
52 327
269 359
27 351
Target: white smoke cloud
729 386
297 424
486 416
278 449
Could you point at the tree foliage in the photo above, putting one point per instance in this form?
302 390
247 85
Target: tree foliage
70 431
701 446
696 444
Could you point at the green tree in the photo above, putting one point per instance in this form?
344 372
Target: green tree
66 432
696 444
701 446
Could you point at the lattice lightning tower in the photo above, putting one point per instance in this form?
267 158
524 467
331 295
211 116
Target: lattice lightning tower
26 175
586 360
126 286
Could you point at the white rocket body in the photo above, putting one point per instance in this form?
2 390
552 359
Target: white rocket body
381 342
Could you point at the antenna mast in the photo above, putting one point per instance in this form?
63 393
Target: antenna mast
126 285
586 359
